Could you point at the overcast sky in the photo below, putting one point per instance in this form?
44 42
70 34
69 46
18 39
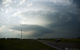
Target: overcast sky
40 18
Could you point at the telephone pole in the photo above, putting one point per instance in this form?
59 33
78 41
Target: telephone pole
21 31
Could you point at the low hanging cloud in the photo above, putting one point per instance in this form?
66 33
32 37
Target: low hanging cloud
38 30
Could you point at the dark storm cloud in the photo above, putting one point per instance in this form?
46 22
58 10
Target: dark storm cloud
39 30
66 17
64 20
77 2
67 21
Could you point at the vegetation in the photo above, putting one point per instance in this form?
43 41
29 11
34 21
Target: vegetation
71 40
18 44
65 40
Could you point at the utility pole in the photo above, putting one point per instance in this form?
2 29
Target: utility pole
21 31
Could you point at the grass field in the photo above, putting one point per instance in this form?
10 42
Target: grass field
23 45
65 40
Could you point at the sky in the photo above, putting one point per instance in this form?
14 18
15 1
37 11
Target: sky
40 18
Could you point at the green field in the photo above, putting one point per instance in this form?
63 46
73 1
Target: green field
23 45
71 40
65 40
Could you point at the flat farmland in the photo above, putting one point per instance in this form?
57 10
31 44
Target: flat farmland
23 45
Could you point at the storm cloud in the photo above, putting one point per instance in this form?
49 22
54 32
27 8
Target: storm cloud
38 31
40 18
